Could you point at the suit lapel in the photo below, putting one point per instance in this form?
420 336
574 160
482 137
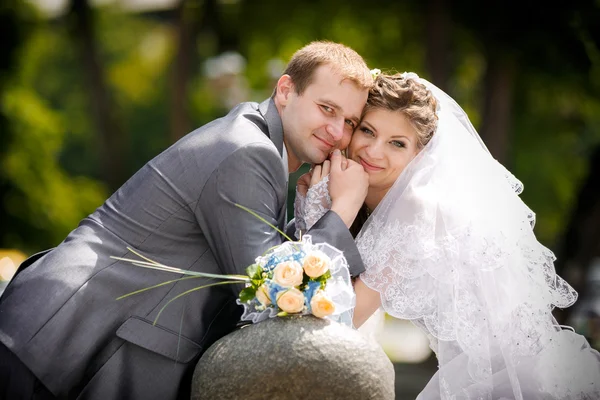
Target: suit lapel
275 131
275 128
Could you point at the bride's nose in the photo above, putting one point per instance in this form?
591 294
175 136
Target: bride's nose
374 150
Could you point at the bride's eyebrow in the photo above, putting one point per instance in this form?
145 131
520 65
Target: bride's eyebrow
368 125
401 137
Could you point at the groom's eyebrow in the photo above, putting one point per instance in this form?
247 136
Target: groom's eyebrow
339 109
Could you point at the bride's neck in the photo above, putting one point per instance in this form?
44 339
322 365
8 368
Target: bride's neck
373 198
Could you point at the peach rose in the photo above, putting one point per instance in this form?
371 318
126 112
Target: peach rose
321 305
288 274
316 263
262 294
291 300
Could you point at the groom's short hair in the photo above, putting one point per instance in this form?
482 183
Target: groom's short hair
342 59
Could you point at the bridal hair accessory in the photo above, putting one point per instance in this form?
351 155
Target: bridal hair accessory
295 277
375 73
410 75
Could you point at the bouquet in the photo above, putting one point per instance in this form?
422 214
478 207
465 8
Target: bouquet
295 277
299 278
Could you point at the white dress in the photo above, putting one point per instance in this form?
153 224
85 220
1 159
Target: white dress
565 368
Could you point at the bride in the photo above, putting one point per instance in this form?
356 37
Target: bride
448 244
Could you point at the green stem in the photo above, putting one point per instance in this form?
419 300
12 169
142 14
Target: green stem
265 221
156 286
165 268
190 291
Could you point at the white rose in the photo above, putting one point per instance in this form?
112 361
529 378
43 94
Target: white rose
291 300
262 294
316 263
288 274
321 305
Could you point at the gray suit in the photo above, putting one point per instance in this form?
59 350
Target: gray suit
60 315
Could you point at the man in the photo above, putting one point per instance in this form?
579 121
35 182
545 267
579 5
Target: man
63 334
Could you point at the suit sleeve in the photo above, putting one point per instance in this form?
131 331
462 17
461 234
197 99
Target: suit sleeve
331 229
253 177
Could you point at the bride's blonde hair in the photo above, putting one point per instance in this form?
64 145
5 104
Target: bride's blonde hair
406 95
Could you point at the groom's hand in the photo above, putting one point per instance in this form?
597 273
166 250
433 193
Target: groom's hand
348 184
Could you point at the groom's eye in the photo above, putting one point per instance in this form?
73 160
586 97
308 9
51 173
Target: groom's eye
351 123
327 109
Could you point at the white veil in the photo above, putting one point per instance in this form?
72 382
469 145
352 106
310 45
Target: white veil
451 247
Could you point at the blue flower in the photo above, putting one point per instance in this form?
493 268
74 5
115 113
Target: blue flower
309 292
273 290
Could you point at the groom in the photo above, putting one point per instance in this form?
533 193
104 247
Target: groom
63 334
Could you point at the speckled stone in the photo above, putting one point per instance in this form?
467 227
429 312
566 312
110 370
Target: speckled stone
296 357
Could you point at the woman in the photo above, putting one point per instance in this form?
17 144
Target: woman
450 246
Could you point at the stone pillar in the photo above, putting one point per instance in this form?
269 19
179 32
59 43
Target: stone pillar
298 357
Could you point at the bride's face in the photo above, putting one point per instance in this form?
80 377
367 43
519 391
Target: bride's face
384 143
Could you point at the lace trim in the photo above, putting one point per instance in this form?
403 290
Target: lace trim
310 208
449 285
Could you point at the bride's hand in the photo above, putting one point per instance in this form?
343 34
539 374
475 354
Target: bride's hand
347 187
303 183
319 172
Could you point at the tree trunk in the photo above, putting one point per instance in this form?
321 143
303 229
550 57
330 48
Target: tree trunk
111 139
581 243
496 123
194 18
438 26
181 71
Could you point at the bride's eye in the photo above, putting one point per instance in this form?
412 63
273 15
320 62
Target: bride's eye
398 143
367 131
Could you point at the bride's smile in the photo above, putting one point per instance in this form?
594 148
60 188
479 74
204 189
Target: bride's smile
384 143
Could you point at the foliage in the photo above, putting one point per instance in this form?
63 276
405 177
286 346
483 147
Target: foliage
50 176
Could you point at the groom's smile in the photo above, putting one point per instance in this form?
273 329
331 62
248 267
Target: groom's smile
329 145
321 118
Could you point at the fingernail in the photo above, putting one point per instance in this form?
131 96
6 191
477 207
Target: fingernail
337 152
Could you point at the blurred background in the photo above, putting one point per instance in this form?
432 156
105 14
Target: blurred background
90 90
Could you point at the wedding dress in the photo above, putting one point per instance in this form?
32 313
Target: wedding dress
451 247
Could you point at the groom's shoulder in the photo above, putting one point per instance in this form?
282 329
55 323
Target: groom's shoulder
244 123
246 119
243 129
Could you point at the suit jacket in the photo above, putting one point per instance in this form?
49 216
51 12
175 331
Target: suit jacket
60 315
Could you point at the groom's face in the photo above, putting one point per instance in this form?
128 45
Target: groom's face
322 118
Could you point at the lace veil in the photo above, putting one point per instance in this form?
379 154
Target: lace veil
451 247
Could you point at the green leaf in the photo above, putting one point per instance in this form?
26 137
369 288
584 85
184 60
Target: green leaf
254 271
323 278
247 294
256 283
